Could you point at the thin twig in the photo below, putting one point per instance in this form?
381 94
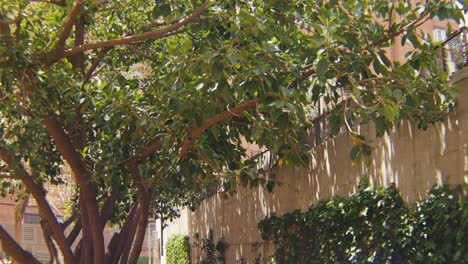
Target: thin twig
89 72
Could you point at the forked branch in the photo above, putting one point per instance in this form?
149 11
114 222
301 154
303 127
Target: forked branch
415 23
68 25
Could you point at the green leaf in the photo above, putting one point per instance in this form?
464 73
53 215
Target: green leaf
322 68
161 11
354 153
270 186
397 94
390 110
380 127
366 150
283 121
187 44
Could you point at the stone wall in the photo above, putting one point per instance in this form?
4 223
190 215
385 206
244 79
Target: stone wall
414 159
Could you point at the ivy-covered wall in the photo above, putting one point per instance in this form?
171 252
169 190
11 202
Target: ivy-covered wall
411 158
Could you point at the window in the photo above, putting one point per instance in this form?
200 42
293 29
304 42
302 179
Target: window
439 35
32 219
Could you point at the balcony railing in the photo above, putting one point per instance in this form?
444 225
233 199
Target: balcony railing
453 52
452 56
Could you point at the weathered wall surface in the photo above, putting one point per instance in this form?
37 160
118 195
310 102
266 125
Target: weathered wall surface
414 159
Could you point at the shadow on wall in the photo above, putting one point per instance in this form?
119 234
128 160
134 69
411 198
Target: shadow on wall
414 159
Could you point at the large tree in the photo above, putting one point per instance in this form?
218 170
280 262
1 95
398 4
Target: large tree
148 102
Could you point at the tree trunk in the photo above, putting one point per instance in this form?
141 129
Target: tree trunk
142 225
117 243
93 226
127 241
86 242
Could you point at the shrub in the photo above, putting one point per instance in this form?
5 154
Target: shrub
178 250
374 225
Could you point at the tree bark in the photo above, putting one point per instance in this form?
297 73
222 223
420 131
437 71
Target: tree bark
86 243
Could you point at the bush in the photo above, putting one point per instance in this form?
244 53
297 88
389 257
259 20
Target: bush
374 225
143 260
178 250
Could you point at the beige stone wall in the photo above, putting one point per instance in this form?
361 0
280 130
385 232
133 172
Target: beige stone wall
414 159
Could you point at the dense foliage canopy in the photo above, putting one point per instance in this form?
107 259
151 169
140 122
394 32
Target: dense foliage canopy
150 101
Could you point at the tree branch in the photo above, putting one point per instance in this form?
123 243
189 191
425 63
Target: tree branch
55 2
67 26
86 243
156 34
44 208
74 232
49 243
188 141
401 30
127 245
117 242
89 72
66 148
70 220
149 150
87 188
13 249
23 201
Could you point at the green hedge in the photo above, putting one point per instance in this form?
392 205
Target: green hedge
143 260
178 250
374 225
